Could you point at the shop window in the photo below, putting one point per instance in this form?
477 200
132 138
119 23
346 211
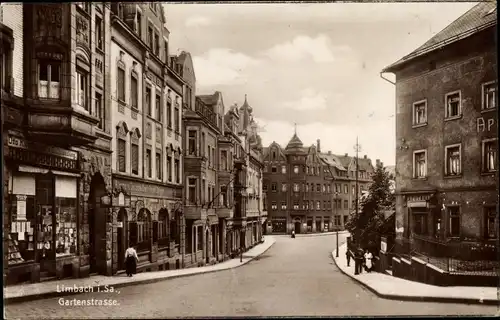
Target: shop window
143 230
49 73
491 223
454 221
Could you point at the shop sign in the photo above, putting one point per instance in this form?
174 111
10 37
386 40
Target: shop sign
485 125
16 142
121 200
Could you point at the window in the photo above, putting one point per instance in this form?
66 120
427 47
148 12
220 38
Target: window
192 142
273 187
192 190
453 163
203 144
490 155
324 188
121 155
223 157
148 101
274 206
4 70
264 187
135 158
274 170
296 187
346 204
148 163
121 84
336 220
134 92
98 32
419 220
177 171
328 189
296 205
283 169
346 188
454 221
453 105
353 190
295 169
156 44
150 37
49 75
158 165
318 187
176 120
420 164
283 205
306 204
99 110
169 114
489 101
318 205
169 167
307 187
283 187
491 223
82 89
165 49
420 113
158 108
139 24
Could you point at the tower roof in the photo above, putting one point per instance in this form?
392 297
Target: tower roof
295 144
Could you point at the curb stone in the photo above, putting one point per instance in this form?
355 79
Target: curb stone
102 288
418 299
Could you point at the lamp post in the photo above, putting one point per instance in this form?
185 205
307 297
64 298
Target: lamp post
357 148
337 229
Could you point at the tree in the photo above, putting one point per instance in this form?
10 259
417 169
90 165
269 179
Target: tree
368 223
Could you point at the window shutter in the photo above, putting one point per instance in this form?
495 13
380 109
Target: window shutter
132 233
155 231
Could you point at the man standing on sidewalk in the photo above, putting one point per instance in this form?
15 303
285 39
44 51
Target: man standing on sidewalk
348 256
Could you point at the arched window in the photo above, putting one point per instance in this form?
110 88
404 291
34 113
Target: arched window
163 224
140 233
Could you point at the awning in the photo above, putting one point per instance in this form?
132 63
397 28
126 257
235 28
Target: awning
67 174
30 169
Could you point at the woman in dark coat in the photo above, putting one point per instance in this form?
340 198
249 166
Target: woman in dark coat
131 260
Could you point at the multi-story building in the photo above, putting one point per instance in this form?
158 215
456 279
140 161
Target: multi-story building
202 126
447 139
310 191
146 99
57 146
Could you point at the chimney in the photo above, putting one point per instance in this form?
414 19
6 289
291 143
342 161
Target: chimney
365 156
329 152
345 155
319 146
382 164
377 162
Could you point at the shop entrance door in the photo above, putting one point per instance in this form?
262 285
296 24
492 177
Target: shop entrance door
121 238
97 225
297 227
45 194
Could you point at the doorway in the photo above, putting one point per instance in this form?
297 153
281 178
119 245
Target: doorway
297 227
207 245
97 225
122 239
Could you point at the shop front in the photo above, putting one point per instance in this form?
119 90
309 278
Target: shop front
41 223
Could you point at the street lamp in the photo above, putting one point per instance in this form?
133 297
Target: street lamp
337 229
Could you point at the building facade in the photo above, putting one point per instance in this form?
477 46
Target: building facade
309 191
447 137
146 94
57 140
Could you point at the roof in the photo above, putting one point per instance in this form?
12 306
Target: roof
295 144
479 17
209 99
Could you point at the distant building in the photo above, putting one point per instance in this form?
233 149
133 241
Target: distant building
447 137
309 191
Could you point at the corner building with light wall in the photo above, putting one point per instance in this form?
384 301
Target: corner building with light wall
57 140
147 95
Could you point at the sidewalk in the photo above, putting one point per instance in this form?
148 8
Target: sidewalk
319 234
41 290
390 287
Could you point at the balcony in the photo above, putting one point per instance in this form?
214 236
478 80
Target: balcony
57 123
206 113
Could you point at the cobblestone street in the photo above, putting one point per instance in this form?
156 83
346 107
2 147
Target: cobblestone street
294 277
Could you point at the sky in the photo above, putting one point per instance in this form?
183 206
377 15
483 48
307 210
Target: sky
314 67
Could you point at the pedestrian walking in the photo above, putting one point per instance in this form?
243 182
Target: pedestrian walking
358 261
131 260
348 256
368 256
293 233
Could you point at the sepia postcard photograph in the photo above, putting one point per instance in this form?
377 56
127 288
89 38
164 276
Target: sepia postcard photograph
239 159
